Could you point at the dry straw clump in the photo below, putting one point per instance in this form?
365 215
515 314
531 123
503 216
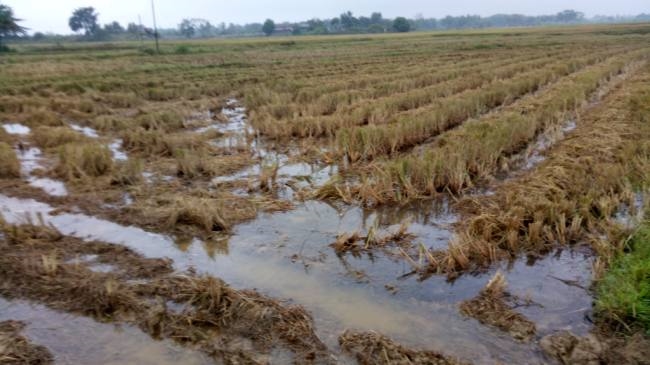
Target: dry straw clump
128 173
78 161
491 307
374 140
357 244
10 166
572 195
206 214
16 349
212 314
48 137
370 348
474 151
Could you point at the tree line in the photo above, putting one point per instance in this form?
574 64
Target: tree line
85 23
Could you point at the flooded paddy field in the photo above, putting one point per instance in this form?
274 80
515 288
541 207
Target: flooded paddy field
442 199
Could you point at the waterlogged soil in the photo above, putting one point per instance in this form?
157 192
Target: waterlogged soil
287 255
80 340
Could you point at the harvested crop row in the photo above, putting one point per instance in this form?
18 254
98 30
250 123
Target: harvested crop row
352 97
462 156
368 142
370 348
571 196
326 115
37 263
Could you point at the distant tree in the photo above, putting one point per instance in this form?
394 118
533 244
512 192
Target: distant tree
114 28
205 28
335 24
348 21
401 24
9 24
363 22
133 28
570 16
420 22
376 18
38 36
84 18
269 27
187 28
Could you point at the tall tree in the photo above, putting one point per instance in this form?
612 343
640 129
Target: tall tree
568 16
114 28
376 18
9 24
401 24
269 27
187 28
84 18
348 21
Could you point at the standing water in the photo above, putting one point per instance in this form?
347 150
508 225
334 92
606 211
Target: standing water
262 255
287 255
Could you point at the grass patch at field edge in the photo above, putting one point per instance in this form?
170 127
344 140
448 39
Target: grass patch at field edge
624 291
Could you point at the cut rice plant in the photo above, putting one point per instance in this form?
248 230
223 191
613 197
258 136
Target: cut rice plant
192 164
128 173
572 196
10 166
268 176
49 137
206 214
492 307
78 161
462 157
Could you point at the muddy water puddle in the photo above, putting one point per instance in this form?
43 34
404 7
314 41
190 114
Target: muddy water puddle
117 151
86 131
288 175
80 340
287 255
31 159
16 129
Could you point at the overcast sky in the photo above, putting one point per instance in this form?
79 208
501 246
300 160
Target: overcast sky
52 15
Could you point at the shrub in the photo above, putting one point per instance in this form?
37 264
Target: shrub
182 50
148 51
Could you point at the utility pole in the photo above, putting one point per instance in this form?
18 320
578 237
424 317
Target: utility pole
140 31
155 26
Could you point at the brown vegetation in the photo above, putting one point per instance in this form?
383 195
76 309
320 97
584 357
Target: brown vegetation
10 166
370 348
574 192
48 137
38 263
357 244
79 161
596 348
491 308
17 350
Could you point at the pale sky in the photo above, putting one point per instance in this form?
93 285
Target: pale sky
52 15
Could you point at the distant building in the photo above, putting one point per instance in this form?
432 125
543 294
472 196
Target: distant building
283 29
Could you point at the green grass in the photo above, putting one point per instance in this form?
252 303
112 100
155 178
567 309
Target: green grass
624 292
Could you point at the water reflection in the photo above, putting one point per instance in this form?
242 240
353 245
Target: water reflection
80 340
272 253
